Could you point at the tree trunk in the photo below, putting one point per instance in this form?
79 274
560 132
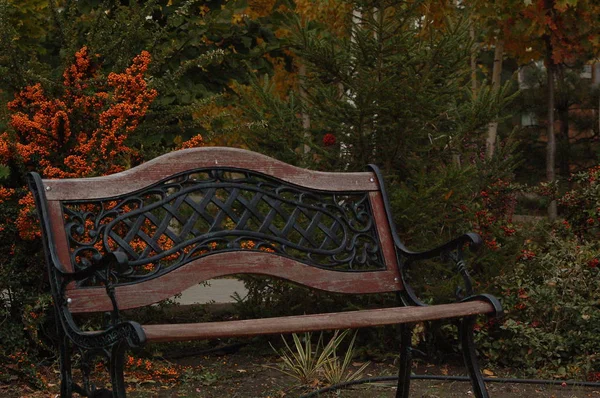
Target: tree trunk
564 147
561 105
304 116
551 145
597 84
490 144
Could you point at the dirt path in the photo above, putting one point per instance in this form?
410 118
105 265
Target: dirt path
250 374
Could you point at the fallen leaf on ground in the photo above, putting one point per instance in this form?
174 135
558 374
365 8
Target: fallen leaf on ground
488 372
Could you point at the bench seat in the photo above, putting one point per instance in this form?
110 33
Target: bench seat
311 323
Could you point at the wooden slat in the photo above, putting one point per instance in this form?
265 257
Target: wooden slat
189 159
384 233
228 263
57 224
310 323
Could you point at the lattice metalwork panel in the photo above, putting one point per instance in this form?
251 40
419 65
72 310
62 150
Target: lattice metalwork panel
218 210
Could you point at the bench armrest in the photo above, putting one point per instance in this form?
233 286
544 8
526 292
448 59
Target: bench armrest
113 260
101 267
450 251
472 239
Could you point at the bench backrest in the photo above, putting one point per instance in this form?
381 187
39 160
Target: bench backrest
196 214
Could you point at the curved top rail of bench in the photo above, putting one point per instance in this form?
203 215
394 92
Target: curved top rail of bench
183 160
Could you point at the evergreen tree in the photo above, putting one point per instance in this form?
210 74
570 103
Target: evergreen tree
394 90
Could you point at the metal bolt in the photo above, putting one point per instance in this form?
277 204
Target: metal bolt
216 162
395 280
371 179
69 300
48 188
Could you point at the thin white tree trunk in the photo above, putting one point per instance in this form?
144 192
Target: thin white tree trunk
304 116
551 145
490 143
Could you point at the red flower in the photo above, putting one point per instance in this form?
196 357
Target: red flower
526 255
329 139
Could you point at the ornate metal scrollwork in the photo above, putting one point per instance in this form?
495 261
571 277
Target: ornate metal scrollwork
208 211
461 268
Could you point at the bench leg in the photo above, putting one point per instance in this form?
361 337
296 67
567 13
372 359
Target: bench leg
116 359
470 357
405 365
117 365
66 376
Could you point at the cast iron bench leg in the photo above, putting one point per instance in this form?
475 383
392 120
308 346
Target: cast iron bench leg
117 365
470 357
66 377
405 361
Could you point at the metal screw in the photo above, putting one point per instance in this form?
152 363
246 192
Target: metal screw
48 188
395 280
69 300
371 179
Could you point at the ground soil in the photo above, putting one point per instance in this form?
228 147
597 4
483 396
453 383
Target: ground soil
252 373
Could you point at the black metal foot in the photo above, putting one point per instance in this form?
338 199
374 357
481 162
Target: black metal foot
117 365
470 357
66 377
405 361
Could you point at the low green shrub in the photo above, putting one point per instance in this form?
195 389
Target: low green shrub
552 294
552 300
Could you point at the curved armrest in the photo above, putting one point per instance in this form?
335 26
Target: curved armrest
453 250
101 267
112 260
472 239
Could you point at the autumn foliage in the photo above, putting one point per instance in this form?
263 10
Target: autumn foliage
566 28
80 132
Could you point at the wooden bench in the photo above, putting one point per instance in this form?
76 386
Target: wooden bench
140 236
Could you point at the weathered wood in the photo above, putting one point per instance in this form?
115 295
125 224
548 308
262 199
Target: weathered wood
228 263
310 323
172 163
60 237
384 234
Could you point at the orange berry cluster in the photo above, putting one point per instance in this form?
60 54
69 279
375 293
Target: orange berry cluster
81 132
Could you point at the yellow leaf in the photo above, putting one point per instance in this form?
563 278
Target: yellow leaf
488 372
